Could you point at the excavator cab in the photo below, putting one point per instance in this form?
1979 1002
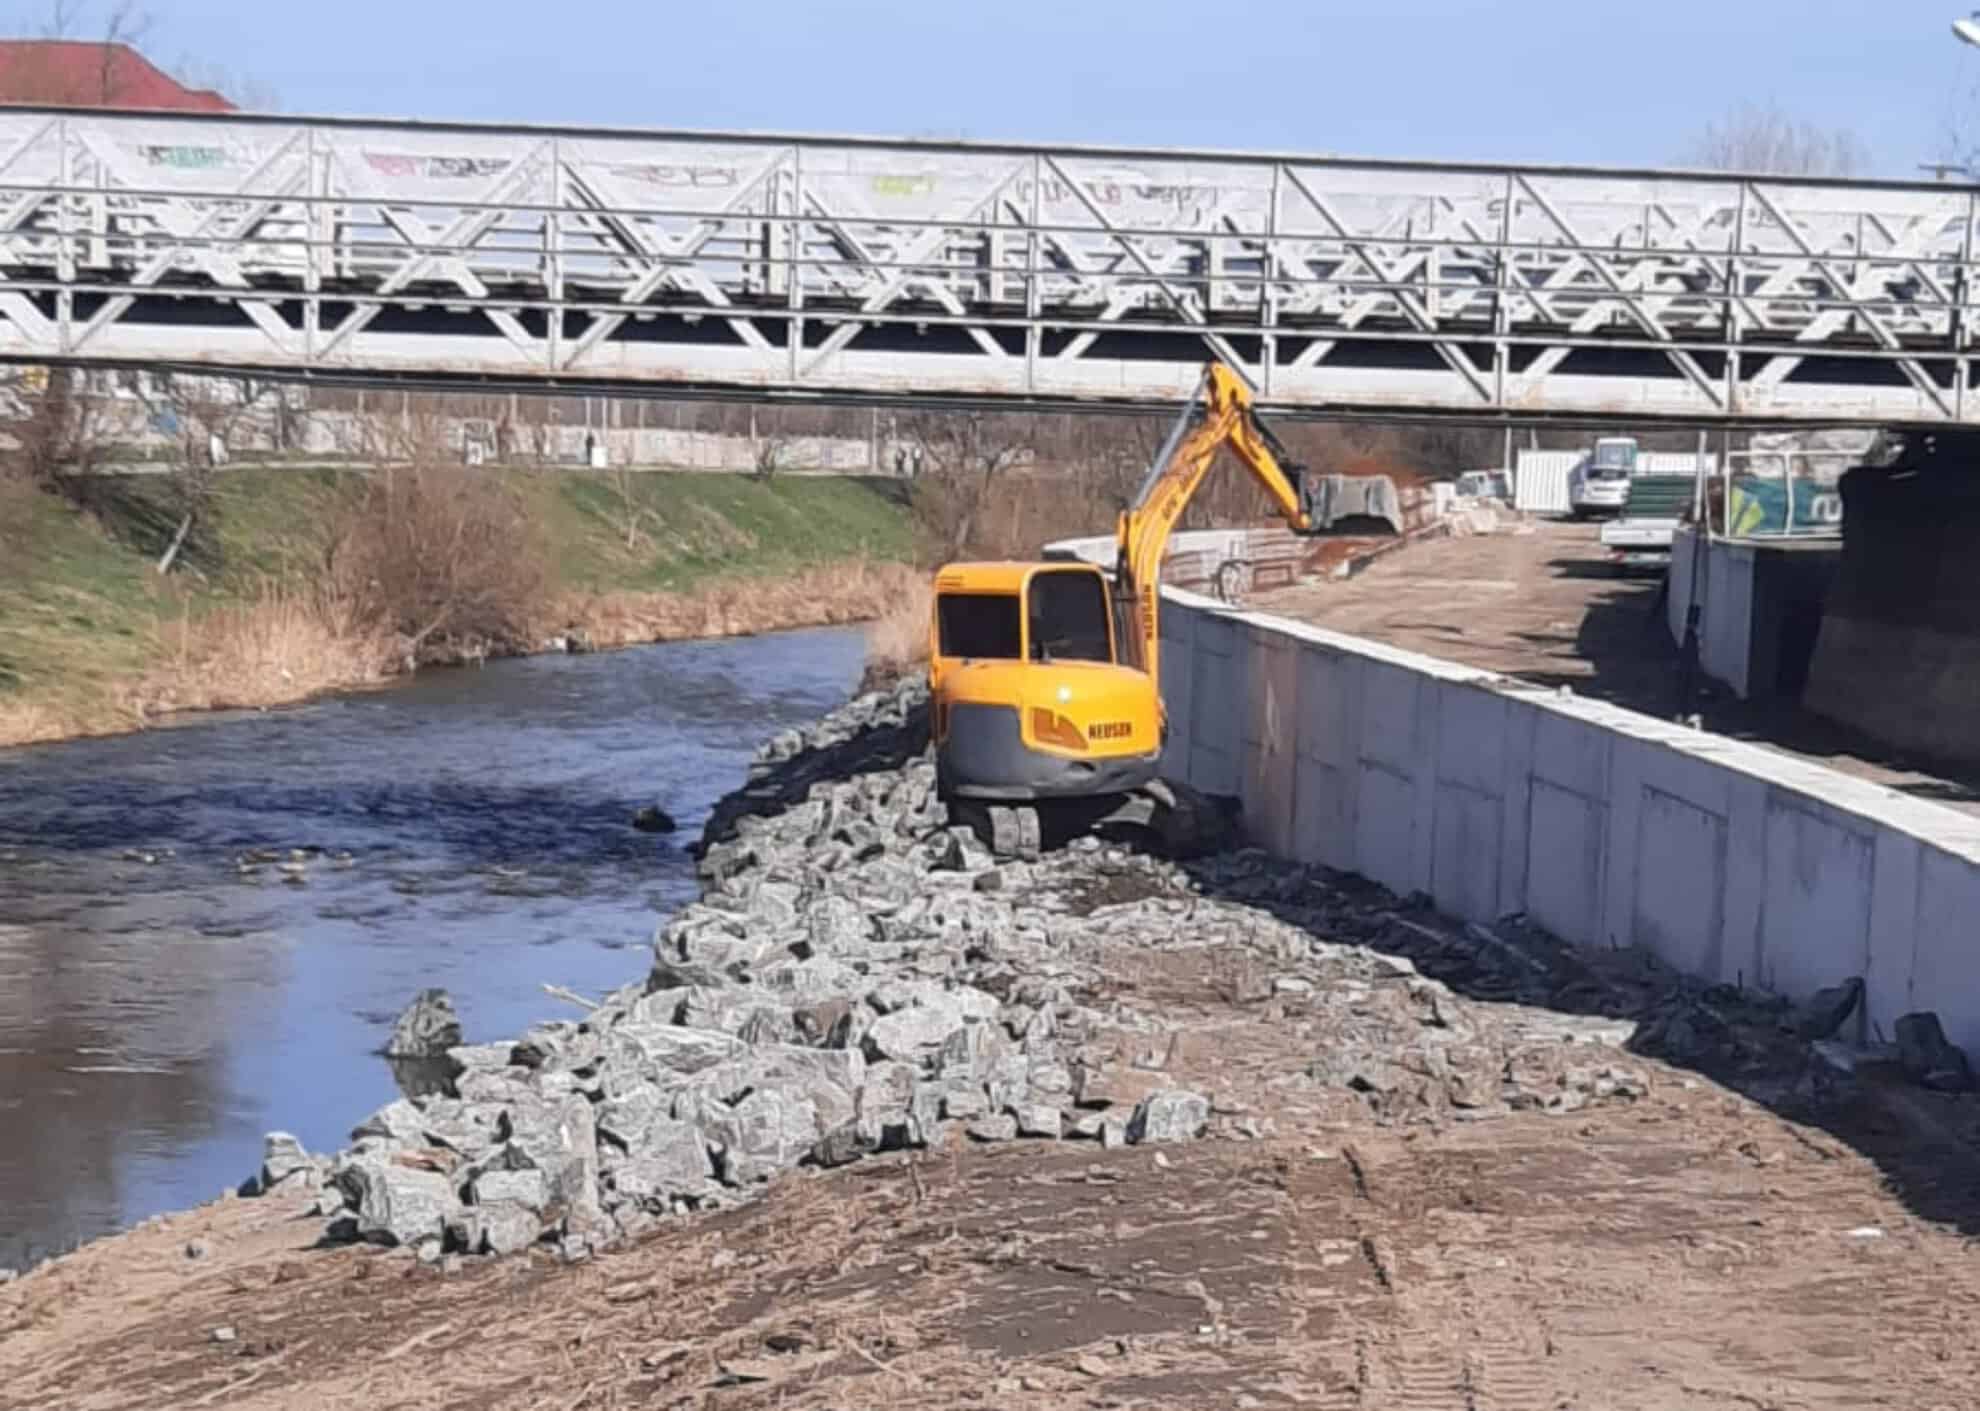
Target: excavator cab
1031 697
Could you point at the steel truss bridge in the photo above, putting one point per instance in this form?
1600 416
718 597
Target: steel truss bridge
854 269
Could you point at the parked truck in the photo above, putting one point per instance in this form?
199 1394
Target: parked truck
1641 534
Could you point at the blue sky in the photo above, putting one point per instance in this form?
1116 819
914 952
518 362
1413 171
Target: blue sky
1587 81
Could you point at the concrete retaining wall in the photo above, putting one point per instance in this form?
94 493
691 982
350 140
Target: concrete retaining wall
1760 606
1719 577
1605 826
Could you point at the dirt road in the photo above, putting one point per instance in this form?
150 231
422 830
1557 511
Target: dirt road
1536 601
1539 601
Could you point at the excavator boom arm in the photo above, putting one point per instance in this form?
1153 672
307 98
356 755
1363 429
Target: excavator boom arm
1227 419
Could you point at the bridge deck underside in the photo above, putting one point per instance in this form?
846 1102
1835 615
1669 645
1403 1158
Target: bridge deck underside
853 269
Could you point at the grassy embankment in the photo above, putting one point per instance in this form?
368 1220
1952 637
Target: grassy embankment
93 640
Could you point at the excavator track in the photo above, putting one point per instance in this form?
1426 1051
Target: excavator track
1173 820
1014 832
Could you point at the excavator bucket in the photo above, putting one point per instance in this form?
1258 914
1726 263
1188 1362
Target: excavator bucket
1359 505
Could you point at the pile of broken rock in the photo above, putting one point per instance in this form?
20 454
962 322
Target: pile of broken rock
858 977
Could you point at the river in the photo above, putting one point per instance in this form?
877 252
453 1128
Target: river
169 992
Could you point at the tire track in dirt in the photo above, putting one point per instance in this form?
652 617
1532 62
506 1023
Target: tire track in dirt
1418 1342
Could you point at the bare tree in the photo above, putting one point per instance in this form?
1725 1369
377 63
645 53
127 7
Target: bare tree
242 90
57 427
766 452
208 412
964 455
1767 141
625 481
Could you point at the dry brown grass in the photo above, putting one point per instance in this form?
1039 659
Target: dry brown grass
897 640
291 643
33 722
283 646
825 596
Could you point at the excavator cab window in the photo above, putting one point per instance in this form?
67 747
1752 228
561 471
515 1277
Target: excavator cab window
1069 617
979 626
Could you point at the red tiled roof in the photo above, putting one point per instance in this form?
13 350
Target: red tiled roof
77 73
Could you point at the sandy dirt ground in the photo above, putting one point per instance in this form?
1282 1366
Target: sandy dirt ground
1690 1250
1541 602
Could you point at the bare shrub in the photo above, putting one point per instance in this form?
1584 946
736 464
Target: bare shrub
442 557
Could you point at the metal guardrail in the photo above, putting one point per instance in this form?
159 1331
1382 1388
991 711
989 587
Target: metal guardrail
857 268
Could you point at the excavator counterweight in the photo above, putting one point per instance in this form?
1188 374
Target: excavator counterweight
1043 677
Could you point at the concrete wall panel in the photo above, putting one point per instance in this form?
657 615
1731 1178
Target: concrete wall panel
1465 870
1385 828
1564 864
1324 815
1389 726
1271 739
1571 754
1216 705
1330 701
1815 930
1472 739
1895 920
1680 881
1945 959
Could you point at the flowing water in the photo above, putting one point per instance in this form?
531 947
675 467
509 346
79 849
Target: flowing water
206 931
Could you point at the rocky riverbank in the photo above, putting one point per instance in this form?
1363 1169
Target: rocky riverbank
857 978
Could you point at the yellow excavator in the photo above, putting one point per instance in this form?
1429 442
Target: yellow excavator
1045 706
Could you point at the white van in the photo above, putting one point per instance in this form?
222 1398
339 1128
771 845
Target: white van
1600 484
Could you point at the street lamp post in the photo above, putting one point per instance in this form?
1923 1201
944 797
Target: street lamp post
1967 31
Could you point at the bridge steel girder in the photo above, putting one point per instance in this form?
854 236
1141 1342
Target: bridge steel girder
837 268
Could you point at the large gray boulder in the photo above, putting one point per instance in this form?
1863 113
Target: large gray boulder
427 1028
283 1158
395 1204
1169 1116
973 1051
767 1132
467 1128
663 1053
558 1139
828 1079
667 1159
836 925
399 1123
915 1035
497 1227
